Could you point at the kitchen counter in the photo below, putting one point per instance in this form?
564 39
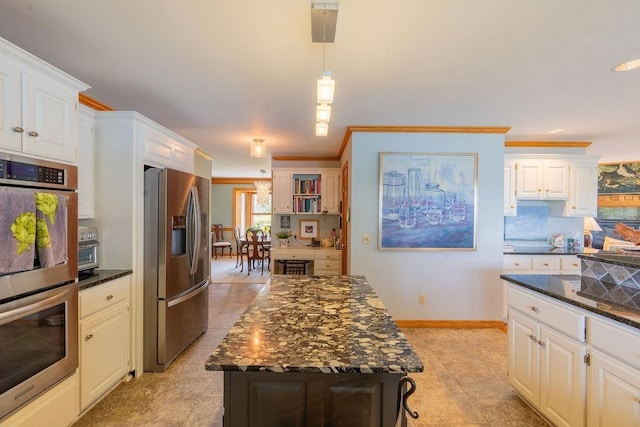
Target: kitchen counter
319 324
603 298
315 350
101 276
539 250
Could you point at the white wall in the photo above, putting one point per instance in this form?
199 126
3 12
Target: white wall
458 285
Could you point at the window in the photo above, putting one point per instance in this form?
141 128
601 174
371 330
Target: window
248 213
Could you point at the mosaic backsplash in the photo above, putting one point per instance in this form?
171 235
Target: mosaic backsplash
610 282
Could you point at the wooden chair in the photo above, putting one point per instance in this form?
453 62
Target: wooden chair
241 249
218 242
256 250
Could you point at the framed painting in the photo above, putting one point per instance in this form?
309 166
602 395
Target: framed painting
619 178
427 201
308 229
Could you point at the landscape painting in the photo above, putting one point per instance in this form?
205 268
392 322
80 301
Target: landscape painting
427 201
619 178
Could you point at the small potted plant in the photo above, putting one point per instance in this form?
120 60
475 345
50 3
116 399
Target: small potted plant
284 238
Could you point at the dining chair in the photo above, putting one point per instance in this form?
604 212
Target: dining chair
218 242
255 250
241 248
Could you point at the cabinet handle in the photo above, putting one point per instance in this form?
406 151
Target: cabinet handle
33 133
535 309
547 190
109 297
517 264
533 338
541 343
18 129
88 337
546 264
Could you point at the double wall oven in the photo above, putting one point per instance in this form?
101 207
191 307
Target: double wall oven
39 296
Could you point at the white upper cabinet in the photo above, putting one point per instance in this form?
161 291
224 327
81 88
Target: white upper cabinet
163 148
86 205
542 179
583 194
572 179
38 106
331 192
281 192
510 203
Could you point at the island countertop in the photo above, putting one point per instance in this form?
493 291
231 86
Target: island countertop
316 324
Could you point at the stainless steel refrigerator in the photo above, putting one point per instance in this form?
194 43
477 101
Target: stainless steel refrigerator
176 264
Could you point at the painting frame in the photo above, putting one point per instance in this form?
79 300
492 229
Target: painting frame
308 229
427 201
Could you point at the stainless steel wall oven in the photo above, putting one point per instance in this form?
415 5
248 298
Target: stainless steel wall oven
38 277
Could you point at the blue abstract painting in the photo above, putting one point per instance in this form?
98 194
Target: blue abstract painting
427 201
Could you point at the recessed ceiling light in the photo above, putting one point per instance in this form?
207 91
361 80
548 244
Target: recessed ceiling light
555 131
626 66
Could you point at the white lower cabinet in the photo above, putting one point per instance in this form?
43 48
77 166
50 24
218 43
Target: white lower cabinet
571 382
614 374
104 338
545 366
614 392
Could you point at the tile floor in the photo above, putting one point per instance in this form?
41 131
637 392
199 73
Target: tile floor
463 384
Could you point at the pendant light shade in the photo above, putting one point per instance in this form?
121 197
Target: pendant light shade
322 129
258 148
323 113
326 86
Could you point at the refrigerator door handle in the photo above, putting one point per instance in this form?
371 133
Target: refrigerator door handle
193 225
188 295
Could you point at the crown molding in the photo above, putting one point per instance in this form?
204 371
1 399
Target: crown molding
547 144
304 158
237 180
92 103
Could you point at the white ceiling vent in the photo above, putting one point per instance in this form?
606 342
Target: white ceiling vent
323 22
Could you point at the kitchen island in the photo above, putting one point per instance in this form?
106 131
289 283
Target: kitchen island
574 339
315 351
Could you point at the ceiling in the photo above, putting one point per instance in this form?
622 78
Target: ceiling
223 72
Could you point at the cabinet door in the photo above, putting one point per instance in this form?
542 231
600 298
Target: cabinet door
524 356
330 183
583 194
562 379
86 190
161 149
104 351
510 188
555 180
10 116
529 179
613 392
50 118
281 192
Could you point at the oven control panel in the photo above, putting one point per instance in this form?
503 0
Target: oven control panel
29 172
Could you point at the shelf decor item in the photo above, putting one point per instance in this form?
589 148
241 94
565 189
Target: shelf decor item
308 229
427 201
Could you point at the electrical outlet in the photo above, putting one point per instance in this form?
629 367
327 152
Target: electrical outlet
421 299
366 239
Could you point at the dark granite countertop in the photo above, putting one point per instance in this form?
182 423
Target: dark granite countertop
625 259
318 324
539 250
606 299
101 276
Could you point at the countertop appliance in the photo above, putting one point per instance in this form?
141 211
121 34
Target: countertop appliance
88 245
176 264
38 278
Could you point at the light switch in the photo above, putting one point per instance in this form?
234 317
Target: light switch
366 239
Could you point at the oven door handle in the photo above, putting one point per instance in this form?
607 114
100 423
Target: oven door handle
88 246
30 308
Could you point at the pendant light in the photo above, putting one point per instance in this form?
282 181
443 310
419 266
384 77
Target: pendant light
263 187
323 29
